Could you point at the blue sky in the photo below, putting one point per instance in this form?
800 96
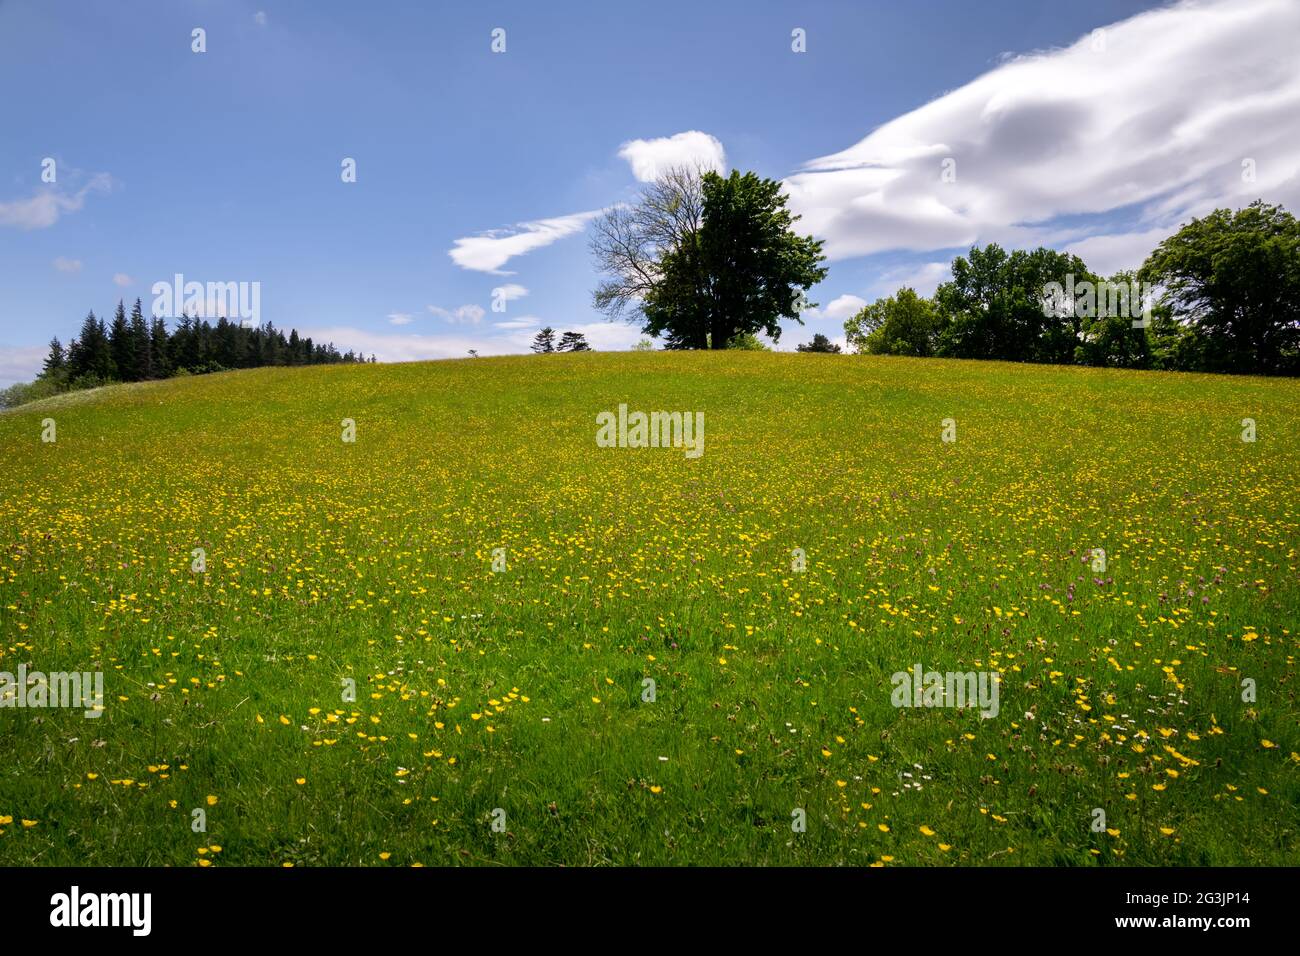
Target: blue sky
225 165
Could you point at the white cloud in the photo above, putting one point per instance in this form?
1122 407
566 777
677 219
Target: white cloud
44 209
21 364
923 279
471 314
400 318
491 250
601 336
260 18
1157 122
63 264
509 292
122 279
401 346
841 307
413 347
1107 255
527 322
692 149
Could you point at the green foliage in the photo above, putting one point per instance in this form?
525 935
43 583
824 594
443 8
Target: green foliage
56 361
747 342
1230 302
90 354
544 341
1110 339
20 393
134 349
573 342
705 258
993 307
902 324
1235 278
819 343
757 266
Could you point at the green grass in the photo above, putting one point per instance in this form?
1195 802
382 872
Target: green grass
372 561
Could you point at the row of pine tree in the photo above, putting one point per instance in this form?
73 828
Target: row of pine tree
134 349
544 341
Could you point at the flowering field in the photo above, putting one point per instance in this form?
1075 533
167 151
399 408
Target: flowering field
308 657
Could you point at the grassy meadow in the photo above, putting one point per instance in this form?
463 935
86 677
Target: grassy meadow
499 716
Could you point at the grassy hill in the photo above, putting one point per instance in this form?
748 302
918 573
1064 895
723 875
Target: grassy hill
518 697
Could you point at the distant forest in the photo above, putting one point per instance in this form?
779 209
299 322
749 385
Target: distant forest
135 349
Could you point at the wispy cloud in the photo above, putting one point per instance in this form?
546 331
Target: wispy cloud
489 251
20 364
400 318
64 264
461 315
46 207
122 279
1153 117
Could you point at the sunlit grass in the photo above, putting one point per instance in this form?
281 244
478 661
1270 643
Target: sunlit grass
522 690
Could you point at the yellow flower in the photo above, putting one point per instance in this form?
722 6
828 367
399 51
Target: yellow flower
212 800
926 831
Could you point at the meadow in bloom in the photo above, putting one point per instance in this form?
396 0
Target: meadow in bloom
309 658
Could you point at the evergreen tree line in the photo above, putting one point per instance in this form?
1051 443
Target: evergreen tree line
133 348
